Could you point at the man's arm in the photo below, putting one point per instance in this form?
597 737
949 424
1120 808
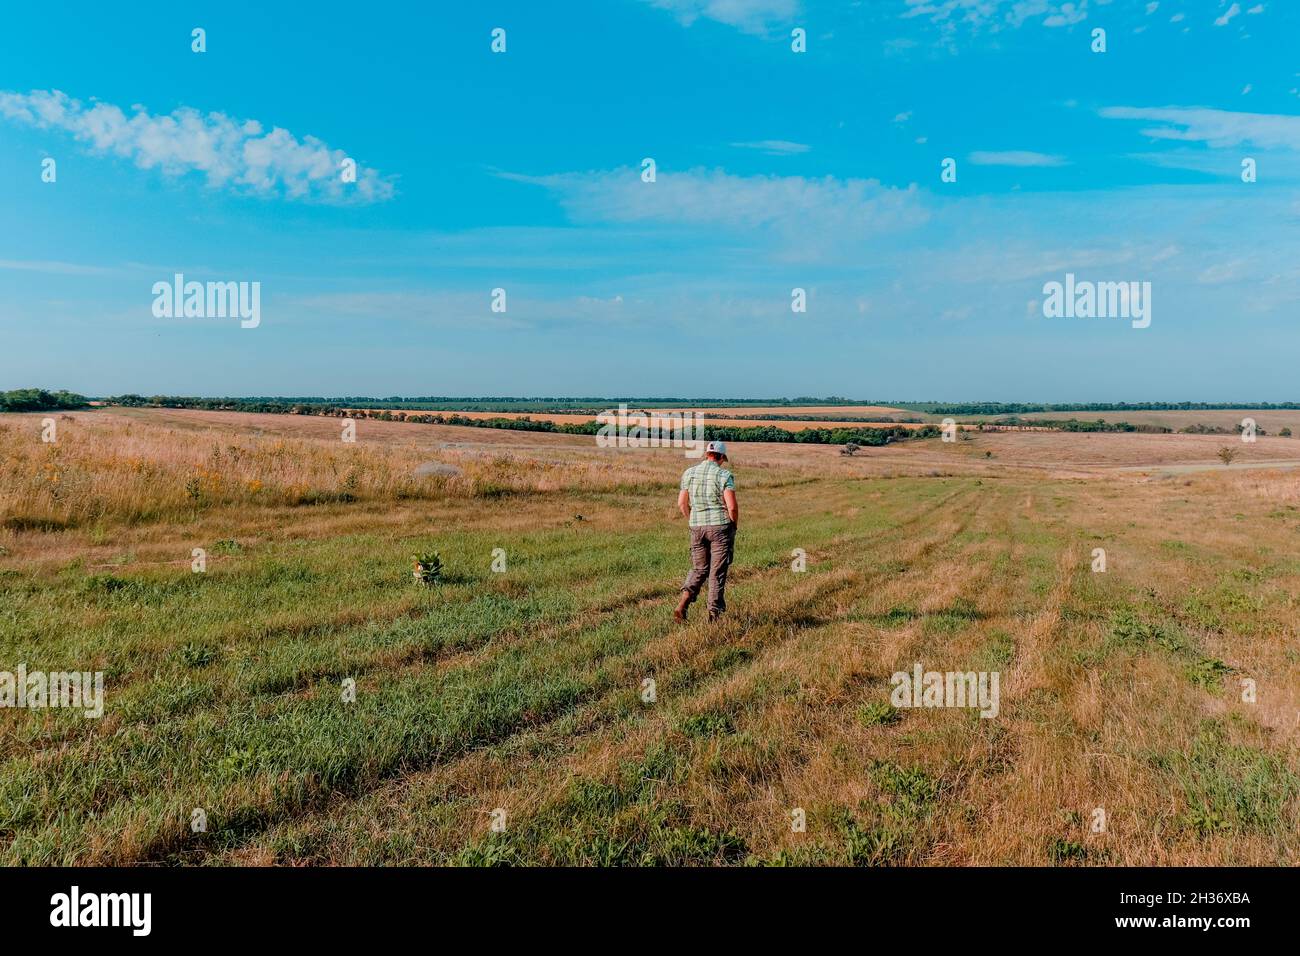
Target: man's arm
733 509
684 503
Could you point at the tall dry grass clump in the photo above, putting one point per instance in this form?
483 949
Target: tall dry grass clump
108 468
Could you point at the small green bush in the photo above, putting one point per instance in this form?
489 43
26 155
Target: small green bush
878 713
428 568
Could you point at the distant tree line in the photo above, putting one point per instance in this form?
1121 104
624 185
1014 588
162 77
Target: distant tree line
273 405
812 418
1077 425
1235 429
562 405
862 437
1021 408
39 400
330 408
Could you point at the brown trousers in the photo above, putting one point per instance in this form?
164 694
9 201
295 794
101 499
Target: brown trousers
711 551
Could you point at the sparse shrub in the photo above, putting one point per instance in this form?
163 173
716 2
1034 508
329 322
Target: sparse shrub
873 846
1208 672
913 789
711 723
241 762
1127 629
349 486
812 855
428 568
878 713
850 449
493 851
687 846
1061 852
198 655
1207 821
106 584
1227 455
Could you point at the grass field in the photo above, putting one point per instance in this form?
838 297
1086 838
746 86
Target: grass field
522 691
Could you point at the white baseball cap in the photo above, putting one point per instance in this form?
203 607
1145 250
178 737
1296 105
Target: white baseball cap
716 448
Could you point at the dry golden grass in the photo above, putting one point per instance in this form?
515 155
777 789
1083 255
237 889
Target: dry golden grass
113 466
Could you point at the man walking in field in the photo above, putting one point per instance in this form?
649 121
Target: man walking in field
708 498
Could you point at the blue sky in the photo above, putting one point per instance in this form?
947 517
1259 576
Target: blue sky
775 170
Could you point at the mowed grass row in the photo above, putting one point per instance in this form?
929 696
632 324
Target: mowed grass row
522 690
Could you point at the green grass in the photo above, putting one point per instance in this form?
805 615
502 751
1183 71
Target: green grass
878 713
1231 787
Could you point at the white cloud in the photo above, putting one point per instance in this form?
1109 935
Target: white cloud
682 301
1232 270
749 16
236 154
1257 8
1015 157
428 308
903 117
55 268
800 214
994 14
1231 12
1217 128
1177 18
1068 14
1000 259
775 147
1153 7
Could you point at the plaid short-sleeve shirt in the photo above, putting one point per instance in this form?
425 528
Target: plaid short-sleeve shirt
706 482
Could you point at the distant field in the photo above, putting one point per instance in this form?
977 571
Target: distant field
1271 421
826 411
522 690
